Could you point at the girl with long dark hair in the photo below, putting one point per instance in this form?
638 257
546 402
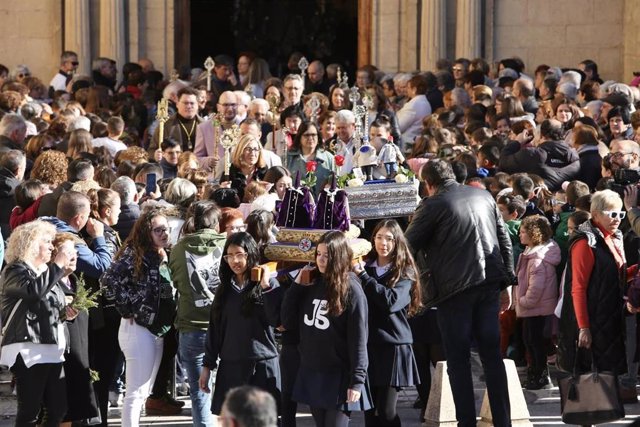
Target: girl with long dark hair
392 287
139 282
241 328
331 314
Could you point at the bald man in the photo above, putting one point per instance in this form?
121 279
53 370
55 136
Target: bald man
206 149
316 80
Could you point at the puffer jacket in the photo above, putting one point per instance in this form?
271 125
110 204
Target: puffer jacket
42 305
537 290
463 242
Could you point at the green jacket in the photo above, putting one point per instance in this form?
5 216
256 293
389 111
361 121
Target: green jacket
513 228
561 235
194 263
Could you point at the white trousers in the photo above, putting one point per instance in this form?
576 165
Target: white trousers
142 351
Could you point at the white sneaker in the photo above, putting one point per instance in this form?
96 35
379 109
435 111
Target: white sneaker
115 399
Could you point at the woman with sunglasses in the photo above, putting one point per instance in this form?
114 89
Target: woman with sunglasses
592 310
330 312
241 326
139 282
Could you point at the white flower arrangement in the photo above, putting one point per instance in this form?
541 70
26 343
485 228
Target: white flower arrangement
355 182
401 178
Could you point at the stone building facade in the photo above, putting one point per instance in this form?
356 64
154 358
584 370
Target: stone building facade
394 35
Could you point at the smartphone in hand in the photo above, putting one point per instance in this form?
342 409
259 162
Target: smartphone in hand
151 183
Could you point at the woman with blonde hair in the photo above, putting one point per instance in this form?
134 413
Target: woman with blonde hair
34 308
247 164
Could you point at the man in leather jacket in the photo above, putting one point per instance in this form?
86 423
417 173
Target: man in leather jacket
467 260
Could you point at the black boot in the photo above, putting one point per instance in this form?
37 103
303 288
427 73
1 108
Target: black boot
540 380
529 379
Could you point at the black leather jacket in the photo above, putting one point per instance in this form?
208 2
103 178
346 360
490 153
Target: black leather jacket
462 241
42 305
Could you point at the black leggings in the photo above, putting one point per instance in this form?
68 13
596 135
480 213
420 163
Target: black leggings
330 417
42 386
533 336
384 413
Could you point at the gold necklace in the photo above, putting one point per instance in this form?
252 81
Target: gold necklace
189 133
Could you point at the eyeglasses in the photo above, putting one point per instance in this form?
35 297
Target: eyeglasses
620 154
161 230
74 63
235 257
47 148
615 214
310 135
251 150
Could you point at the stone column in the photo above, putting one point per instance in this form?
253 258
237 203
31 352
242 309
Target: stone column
76 32
433 34
468 28
135 47
112 32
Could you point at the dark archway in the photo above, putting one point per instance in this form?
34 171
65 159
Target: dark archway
273 29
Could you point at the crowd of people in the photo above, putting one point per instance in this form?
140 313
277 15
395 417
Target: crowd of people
525 245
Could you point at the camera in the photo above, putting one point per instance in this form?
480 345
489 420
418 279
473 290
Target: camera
622 178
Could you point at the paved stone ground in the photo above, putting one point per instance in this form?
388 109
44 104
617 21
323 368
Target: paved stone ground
544 407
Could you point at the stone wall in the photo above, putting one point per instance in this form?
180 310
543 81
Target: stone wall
631 53
395 35
31 35
564 33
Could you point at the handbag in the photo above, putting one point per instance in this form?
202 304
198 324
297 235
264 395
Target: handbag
6 325
590 398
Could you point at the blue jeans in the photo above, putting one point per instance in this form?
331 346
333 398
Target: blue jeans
191 347
473 314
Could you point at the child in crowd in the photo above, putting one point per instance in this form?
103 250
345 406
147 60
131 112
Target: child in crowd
512 209
28 196
536 295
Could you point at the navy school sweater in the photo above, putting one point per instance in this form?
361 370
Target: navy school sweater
240 338
329 343
387 308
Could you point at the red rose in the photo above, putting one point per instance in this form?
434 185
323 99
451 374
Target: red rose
311 166
339 160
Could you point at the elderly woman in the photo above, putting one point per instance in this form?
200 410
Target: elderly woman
306 149
181 193
592 311
247 164
33 311
139 282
